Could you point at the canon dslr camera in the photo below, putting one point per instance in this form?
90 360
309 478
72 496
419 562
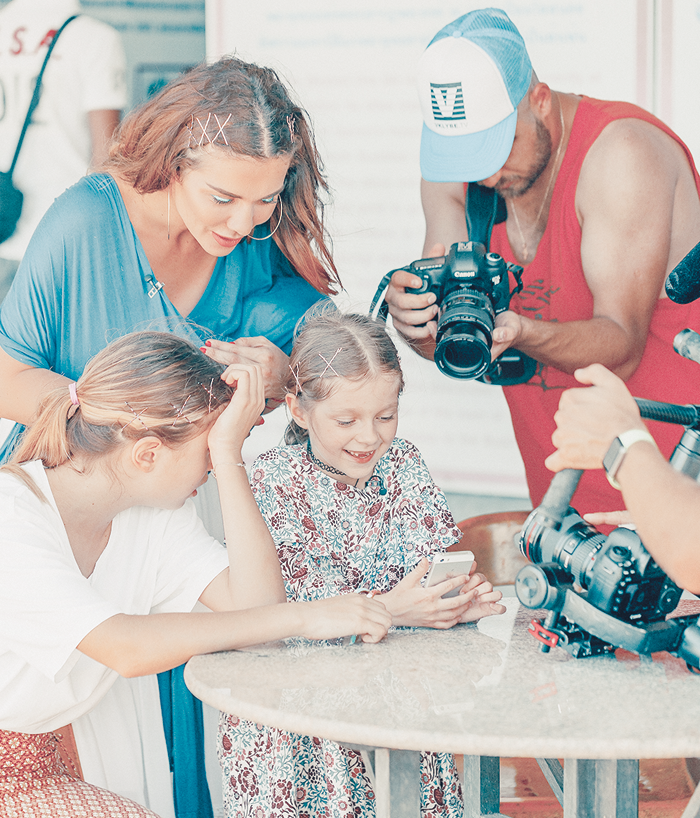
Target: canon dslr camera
472 288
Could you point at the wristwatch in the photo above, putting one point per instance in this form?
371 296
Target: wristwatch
619 448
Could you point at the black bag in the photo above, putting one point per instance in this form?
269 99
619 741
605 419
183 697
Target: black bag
10 197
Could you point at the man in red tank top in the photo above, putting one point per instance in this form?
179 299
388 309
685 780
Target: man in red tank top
602 201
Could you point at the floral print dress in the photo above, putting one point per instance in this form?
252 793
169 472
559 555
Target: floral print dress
335 539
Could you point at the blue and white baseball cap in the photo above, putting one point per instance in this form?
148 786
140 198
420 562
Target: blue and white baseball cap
471 78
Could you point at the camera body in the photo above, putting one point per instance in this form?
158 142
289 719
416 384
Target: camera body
471 287
599 592
617 574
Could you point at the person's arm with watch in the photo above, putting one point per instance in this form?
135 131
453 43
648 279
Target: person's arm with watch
600 427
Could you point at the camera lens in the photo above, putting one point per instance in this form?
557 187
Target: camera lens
463 348
463 351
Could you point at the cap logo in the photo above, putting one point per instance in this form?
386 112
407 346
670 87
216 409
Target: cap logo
447 101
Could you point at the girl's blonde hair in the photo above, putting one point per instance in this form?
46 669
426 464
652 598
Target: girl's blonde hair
333 345
144 384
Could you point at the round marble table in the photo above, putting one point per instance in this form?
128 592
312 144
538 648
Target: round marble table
483 690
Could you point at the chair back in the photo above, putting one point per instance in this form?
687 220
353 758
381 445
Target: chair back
491 538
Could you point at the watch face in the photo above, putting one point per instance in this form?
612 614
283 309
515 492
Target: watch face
612 460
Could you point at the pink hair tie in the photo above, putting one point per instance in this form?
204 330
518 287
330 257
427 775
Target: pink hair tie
72 389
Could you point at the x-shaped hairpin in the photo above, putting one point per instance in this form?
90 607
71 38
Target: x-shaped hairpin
137 416
221 129
180 411
329 364
203 128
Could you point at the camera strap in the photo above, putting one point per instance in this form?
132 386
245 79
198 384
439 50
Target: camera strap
483 208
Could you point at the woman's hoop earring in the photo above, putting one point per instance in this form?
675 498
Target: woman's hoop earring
263 238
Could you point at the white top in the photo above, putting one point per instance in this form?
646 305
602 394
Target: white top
155 561
86 72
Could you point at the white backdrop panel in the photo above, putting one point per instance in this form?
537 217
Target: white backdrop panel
352 67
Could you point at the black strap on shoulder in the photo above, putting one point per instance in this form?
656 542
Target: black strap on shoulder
483 208
37 93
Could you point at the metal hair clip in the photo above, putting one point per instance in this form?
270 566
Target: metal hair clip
137 416
329 364
180 411
290 124
295 373
221 129
204 138
210 391
203 131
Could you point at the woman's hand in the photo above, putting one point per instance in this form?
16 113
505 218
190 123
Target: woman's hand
233 425
259 352
410 604
345 615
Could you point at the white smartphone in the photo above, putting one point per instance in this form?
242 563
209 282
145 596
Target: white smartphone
448 565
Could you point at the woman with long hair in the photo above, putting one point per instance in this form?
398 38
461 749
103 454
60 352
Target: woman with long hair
104 555
207 220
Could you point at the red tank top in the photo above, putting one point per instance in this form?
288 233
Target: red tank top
555 289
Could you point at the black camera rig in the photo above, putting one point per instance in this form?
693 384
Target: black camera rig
601 593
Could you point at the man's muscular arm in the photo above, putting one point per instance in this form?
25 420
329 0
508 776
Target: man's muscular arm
664 504
443 206
634 183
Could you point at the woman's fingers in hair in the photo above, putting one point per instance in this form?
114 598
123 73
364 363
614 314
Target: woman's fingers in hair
274 363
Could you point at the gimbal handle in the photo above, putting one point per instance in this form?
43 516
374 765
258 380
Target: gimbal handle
555 503
687 415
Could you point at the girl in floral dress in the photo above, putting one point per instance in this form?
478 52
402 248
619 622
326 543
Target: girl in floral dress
351 508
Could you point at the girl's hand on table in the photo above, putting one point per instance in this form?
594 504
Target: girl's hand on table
483 598
345 615
233 425
412 605
257 351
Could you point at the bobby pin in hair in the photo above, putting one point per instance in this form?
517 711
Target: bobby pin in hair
290 125
137 416
295 373
181 410
198 142
210 391
329 364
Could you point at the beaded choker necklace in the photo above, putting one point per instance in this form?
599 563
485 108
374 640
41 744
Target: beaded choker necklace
374 479
325 466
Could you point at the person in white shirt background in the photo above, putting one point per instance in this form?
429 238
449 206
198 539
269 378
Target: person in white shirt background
82 95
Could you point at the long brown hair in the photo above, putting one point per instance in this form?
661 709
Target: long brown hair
332 345
244 109
146 383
